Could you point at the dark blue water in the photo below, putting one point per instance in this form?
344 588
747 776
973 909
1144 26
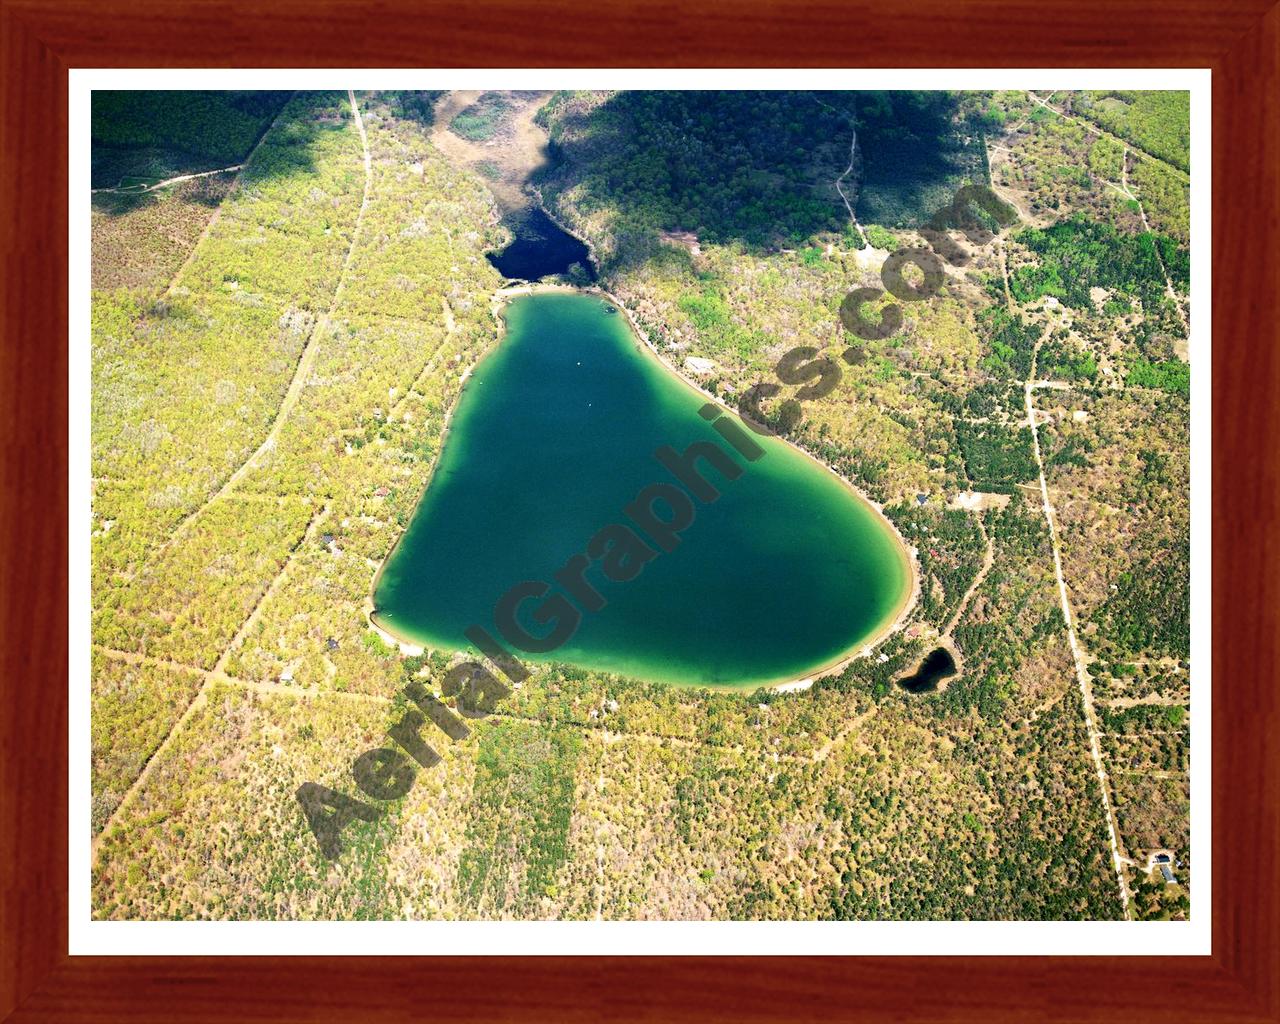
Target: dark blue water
541 249
937 666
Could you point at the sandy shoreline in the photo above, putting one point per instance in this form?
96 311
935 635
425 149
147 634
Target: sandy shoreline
892 623
409 646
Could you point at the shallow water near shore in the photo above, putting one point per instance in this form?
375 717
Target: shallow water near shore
554 434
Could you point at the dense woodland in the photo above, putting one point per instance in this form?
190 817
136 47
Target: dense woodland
1157 122
756 168
269 400
148 135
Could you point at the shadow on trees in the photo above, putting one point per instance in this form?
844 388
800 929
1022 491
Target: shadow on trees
917 148
417 105
757 168
144 137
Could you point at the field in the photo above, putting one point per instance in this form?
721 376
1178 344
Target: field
276 352
480 121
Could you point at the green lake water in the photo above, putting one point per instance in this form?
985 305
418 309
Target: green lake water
554 433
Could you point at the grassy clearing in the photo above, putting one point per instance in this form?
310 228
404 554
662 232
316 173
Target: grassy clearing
481 121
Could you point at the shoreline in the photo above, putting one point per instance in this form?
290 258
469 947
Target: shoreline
892 623
369 607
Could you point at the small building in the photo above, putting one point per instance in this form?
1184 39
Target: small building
921 499
1168 874
331 644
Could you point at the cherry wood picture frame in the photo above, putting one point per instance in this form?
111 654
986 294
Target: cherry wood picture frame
41 39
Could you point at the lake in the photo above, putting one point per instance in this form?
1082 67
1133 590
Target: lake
787 572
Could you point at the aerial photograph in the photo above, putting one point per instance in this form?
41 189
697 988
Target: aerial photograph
618 505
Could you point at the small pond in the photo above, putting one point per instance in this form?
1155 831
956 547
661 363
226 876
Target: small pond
541 248
937 666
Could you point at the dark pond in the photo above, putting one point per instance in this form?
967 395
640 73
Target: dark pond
541 248
938 665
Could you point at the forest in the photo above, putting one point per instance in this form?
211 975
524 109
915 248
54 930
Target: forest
1077 255
1157 122
756 168
917 148
148 135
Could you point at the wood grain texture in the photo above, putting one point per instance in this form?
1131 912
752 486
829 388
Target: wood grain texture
40 40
